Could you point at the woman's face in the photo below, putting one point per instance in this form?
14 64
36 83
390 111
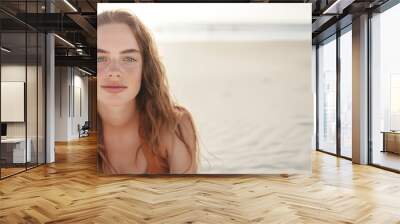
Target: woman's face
119 65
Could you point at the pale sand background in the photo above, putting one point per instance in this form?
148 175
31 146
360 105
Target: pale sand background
252 102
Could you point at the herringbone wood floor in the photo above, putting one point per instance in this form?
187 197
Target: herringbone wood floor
70 191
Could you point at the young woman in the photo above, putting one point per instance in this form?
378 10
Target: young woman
141 130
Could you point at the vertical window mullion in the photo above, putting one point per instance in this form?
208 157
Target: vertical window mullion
26 86
317 96
369 94
37 89
338 80
0 90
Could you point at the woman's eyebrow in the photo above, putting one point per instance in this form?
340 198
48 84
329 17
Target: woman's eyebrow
101 51
130 51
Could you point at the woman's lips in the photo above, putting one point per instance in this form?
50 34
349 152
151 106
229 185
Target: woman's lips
113 88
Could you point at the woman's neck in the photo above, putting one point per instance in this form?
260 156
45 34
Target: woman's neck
117 117
121 135
120 126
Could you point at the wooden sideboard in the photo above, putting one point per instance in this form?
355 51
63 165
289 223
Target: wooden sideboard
391 141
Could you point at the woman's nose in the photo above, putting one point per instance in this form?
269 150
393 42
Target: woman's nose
114 70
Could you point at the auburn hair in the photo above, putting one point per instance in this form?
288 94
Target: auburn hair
158 113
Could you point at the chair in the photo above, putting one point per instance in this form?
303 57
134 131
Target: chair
84 130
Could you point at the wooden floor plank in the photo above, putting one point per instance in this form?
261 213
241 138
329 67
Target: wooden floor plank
70 191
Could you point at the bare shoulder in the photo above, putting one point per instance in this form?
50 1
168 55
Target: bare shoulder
184 118
182 153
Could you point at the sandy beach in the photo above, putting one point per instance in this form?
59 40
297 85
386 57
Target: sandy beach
251 101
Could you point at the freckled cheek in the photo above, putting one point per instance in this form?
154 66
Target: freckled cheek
100 73
133 79
100 81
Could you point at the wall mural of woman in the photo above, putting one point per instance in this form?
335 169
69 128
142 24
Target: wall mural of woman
141 129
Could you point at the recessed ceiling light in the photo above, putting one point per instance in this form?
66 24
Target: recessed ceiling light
70 5
86 72
5 50
64 40
337 7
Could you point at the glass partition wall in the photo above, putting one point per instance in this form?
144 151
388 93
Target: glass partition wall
13 89
345 62
327 95
334 95
385 89
334 105
22 77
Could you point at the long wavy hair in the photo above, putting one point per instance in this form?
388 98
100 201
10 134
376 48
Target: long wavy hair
157 111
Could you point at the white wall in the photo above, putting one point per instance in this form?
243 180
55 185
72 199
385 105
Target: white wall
314 91
17 73
14 73
69 85
34 125
12 100
61 103
79 117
